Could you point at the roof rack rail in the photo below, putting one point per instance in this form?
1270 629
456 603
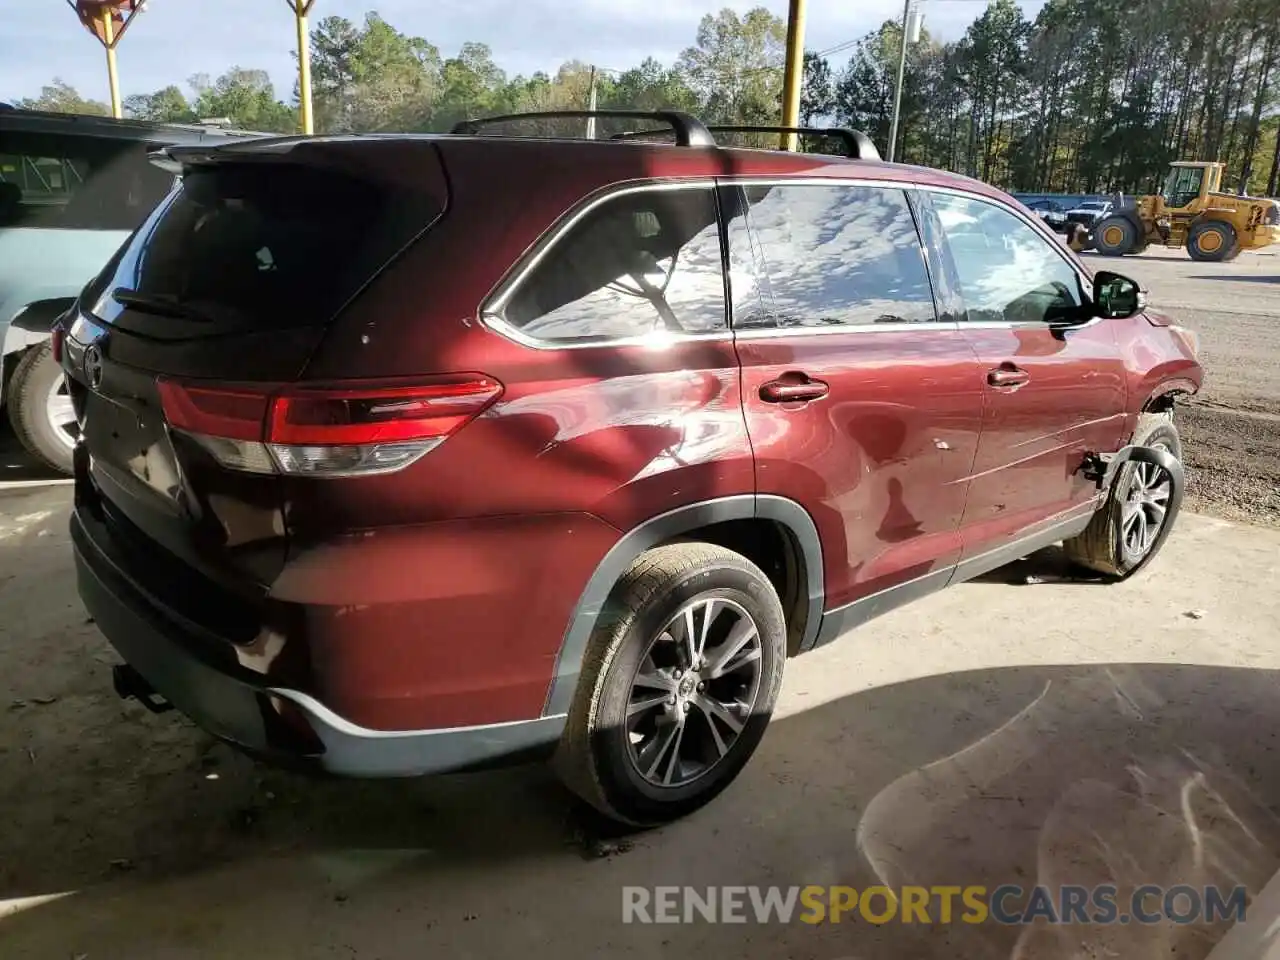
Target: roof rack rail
857 144
689 131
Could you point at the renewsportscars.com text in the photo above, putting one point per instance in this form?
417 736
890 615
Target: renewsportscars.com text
1006 904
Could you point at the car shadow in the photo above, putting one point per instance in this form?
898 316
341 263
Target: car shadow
1048 565
1120 773
16 464
1152 253
1237 278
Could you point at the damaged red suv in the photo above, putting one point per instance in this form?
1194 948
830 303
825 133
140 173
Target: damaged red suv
408 454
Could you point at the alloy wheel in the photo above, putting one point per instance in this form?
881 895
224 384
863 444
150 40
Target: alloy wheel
1145 507
693 692
61 415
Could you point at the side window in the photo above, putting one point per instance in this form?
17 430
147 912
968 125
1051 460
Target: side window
77 183
812 255
1007 271
637 264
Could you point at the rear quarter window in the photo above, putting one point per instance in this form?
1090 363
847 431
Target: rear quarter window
639 263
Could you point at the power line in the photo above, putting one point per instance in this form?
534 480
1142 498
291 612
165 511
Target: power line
841 47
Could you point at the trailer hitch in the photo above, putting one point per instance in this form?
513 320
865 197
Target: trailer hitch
130 684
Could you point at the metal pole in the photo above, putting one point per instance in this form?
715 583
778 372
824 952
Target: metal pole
113 78
793 78
300 10
591 105
897 91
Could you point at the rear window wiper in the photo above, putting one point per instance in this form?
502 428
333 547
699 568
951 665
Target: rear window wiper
159 304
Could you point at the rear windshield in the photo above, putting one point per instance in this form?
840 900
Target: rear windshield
260 245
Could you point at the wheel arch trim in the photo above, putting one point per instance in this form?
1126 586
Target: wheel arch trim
673 523
1167 390
1141 454
31 323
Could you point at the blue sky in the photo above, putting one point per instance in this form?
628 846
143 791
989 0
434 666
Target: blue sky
173 39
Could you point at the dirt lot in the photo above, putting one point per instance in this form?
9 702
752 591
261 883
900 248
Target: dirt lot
1231 432
1025 728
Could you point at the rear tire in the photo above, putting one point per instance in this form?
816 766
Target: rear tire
1213 241
642 691
38 407
1115 237
1105 546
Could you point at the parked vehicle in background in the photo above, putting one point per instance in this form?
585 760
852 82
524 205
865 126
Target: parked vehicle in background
408 454
72 188
1052 213
1191 211
1089 212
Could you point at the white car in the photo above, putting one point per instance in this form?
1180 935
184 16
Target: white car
1089 212
72 189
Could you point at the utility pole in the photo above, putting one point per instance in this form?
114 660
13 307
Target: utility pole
300 10
910 34
793 78
113 75
591 105
107 20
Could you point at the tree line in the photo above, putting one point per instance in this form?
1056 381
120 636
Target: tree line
1090 96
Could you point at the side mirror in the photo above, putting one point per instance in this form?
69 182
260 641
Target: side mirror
1116 297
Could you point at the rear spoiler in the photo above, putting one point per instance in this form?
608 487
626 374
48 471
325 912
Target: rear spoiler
175 157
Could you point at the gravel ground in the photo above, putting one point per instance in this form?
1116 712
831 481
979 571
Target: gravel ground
1231 431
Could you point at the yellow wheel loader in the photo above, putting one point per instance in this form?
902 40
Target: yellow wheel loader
1191 211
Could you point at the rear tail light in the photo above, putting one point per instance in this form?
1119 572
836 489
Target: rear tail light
324 431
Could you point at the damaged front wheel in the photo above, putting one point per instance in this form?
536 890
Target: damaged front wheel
1142 502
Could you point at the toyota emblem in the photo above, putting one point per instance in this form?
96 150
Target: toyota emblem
93 366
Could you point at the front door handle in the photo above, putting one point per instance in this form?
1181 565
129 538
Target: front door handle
793 389
1007 375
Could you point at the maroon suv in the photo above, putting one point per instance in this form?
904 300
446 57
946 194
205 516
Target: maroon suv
407 454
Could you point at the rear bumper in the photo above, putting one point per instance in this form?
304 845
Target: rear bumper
196 672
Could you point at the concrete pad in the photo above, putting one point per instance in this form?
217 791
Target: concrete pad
1002 732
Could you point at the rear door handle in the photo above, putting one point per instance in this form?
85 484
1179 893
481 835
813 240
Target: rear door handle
1007 375
793 389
